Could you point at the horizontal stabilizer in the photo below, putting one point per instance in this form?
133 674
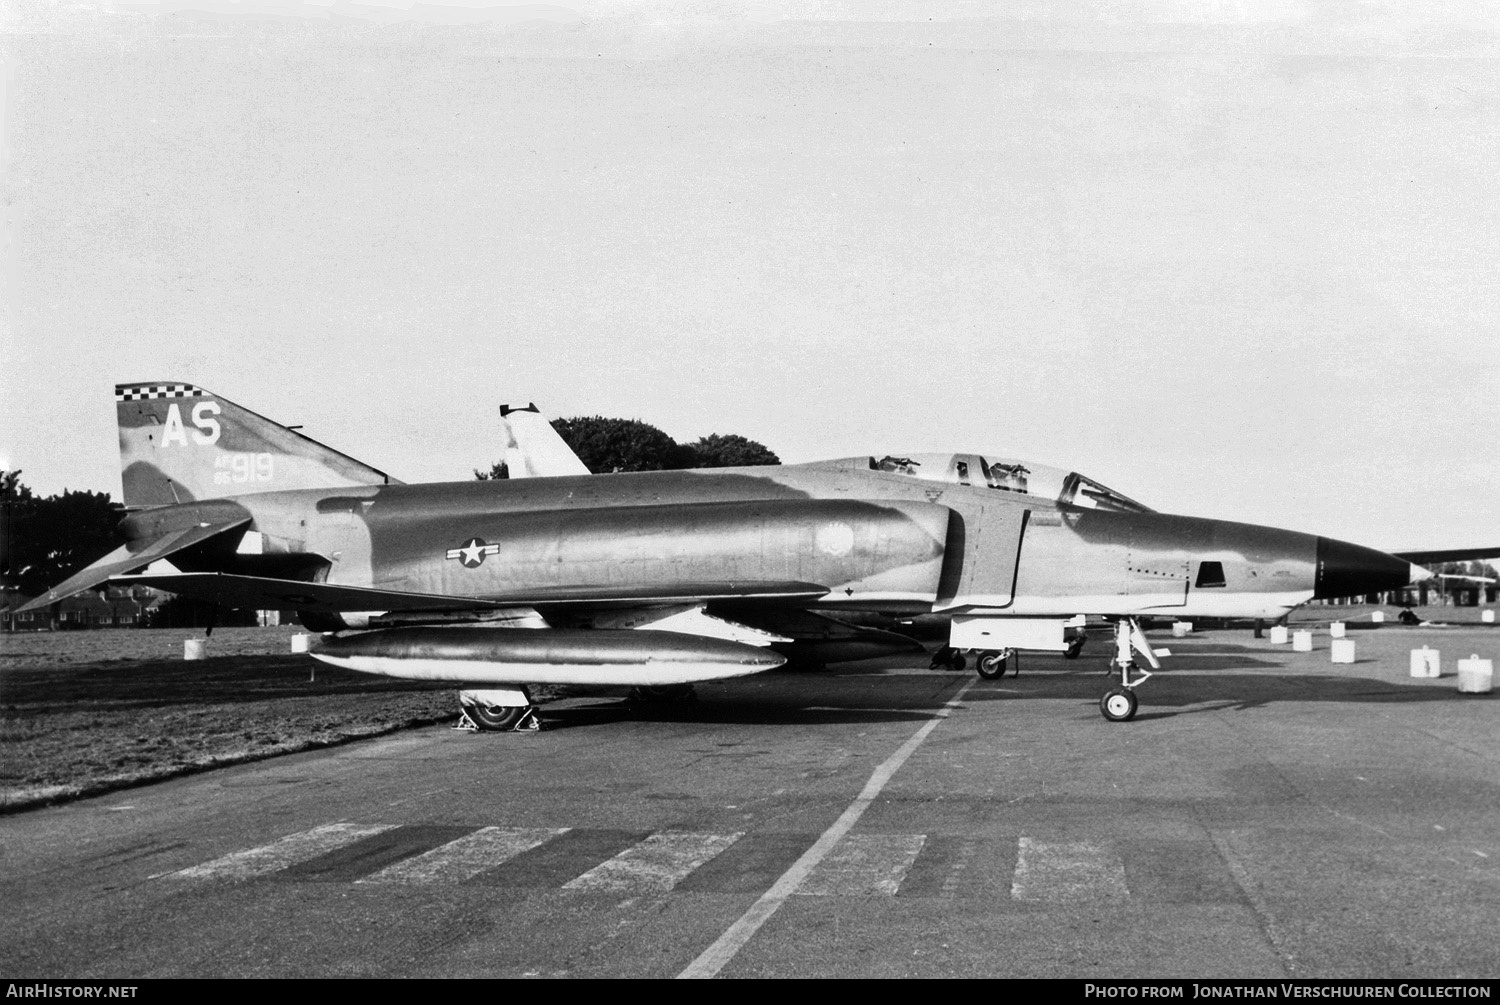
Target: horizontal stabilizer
124 560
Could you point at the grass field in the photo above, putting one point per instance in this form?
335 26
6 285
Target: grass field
86 712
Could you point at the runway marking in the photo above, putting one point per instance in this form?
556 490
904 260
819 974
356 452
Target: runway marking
288 851
750 866
727 946
654 865
939 869
864 864
635 862
466 857
1069 873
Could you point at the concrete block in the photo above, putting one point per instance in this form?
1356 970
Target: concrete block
1181 629
1336 630
1488 617
1343 650
1476 676
1302 642
1278 635
299 642
1425 663
194 649
1378 617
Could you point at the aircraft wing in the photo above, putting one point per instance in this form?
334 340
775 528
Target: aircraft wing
1428 558
123 560
264 593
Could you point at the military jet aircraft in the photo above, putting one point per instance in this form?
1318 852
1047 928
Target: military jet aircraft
660 579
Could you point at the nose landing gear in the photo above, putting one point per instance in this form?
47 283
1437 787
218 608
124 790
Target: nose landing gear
1119 704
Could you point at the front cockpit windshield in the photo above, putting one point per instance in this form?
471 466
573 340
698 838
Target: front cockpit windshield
1006 474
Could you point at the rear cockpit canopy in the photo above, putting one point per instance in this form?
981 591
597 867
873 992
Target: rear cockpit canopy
1003 474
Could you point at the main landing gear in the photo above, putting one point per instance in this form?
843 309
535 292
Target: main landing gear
989 662
1119 703
991 665
497 710
947 658
658 693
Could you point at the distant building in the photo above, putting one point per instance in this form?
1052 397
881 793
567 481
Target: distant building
10 621
112 607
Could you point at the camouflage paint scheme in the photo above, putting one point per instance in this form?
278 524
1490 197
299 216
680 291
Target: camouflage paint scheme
250 513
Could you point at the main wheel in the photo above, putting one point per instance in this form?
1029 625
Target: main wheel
991 665
665 692
1074 647
1118 704
496 718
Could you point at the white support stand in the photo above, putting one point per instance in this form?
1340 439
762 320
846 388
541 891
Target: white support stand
1475 676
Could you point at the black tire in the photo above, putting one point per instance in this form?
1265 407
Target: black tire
991 665
957 662
664 692
1118 704
1074 648
496 718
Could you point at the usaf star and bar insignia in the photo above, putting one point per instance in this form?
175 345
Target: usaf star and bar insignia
471 553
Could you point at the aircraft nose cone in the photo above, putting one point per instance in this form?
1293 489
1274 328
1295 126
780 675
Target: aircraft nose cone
1347 570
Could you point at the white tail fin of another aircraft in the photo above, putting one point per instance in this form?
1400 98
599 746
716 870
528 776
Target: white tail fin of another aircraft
180 443
532 447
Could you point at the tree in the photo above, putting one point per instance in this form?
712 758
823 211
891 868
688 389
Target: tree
47 540
607 446
729 451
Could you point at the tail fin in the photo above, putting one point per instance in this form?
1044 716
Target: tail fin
532 447
179 443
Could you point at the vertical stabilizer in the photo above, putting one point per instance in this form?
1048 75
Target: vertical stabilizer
532 447
180 443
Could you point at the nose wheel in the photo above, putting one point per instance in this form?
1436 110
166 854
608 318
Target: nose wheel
1119 703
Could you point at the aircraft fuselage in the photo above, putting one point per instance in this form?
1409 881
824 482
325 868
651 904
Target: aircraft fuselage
831 539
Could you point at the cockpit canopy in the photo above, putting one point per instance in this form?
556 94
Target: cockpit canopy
1004 474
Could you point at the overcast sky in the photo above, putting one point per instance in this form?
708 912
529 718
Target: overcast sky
1237 260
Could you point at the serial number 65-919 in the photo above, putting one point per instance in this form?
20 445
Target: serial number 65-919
241 468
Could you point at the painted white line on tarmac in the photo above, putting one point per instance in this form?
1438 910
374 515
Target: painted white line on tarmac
864 864
654 865
289 851
1070 873
467 856
717 956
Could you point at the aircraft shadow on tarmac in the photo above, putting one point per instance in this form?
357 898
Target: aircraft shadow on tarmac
1188 688
730 705
1198 688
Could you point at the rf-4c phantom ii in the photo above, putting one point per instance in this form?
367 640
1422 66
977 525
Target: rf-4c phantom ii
663 578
